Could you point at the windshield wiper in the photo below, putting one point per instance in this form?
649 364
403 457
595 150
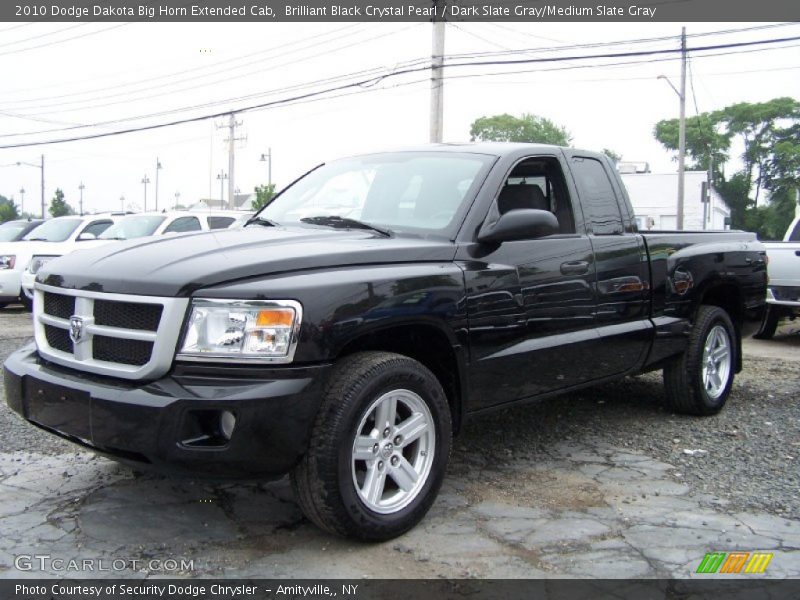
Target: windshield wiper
37 240
261 221
345 223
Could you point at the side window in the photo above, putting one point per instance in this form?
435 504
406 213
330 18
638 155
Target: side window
538 183
220 222
600 205
97 227
182 224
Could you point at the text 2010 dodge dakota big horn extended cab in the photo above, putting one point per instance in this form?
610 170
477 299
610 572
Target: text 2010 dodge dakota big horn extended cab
346 333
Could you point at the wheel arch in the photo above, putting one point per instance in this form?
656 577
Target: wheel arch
727 296
427 343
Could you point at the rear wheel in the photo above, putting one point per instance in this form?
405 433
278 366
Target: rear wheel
699 381
379 448
768 324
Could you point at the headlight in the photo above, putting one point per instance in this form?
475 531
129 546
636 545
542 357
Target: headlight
37 262
245 330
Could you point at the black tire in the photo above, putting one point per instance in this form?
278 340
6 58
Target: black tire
323 481
768 324
26 302
683 377
3 304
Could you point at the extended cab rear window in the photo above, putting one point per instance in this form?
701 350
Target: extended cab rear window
600 204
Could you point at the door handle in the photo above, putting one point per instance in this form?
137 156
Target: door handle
575 267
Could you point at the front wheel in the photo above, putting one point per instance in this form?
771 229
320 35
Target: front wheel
379 448
699 381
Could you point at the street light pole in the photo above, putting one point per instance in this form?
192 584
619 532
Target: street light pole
21 200
177 197
222 177
42 181
81 187
122 204
41 168
681 129
158 168
145 181
268 158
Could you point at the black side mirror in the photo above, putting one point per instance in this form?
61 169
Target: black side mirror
519 224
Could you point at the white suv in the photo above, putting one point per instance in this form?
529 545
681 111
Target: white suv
52 238
130 227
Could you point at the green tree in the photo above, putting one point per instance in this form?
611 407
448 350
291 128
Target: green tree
59 206
615 158
8 210
264 193
528 128
769 133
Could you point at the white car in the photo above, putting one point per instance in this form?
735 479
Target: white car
135 226
783 291
54 237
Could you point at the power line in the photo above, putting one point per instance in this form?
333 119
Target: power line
148 81
374 81
127 99
69 39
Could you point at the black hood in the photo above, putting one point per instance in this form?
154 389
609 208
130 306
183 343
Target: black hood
174 266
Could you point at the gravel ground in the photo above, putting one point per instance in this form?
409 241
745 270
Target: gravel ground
748 456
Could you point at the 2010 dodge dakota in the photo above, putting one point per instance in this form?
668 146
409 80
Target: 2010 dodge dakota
346 333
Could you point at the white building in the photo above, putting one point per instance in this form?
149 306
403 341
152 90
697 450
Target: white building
655 201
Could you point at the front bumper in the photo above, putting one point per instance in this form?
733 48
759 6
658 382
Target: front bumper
788 296
9 285
154 425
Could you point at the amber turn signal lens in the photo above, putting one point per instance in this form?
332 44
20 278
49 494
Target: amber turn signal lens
275 318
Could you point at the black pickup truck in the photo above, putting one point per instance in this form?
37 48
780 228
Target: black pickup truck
346 333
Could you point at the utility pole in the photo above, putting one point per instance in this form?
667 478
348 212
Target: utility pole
21 200
437 68
81 187
145 181
232 139
158 168
122 204
682 131
177 198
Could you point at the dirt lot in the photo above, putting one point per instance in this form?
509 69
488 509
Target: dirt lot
603 483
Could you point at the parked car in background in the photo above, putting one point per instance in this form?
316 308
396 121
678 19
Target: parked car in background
47 239
783 293
11 231
130 227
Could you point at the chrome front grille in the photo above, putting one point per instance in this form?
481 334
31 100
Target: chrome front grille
119 335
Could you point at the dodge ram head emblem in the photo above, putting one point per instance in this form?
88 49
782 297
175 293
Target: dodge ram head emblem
75 329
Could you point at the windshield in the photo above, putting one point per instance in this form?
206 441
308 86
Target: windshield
9 231
402 190
55 230
133 227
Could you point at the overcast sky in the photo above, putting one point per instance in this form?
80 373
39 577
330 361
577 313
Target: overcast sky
88 73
